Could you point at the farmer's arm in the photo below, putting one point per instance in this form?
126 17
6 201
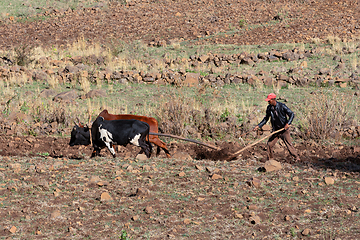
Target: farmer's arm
291 116
265 119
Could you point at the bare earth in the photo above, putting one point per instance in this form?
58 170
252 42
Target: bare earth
52 191
196 21
49 190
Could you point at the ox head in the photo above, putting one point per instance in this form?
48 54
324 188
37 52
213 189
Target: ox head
80 136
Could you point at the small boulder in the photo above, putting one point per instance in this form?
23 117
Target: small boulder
95 93
105 197
329 180
66 96
272 165
216 176
255 220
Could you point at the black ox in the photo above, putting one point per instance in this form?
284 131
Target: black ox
114 132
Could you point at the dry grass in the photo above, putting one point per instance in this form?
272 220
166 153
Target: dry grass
84 83
53 82
327 111
182 107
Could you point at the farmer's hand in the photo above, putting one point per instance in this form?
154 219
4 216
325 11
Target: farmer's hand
286 126
256 128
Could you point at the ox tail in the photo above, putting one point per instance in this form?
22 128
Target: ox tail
185 139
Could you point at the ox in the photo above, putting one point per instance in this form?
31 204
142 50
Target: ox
108 133
149 120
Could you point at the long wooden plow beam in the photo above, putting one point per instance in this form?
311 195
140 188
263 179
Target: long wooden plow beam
234 155
185 139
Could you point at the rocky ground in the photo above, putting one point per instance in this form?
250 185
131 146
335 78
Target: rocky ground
52 191
160 22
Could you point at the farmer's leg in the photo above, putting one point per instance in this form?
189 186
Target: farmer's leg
270 144
287 140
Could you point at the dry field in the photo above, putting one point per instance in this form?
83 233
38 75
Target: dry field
49 190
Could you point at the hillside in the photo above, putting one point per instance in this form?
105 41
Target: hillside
242 22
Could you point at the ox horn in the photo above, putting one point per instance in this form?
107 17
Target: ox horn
80 125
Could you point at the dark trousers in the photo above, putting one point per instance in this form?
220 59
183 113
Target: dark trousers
285 136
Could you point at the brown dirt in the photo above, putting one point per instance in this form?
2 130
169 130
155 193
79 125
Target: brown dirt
50 190
196 21
339 156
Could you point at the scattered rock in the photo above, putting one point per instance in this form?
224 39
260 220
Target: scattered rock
198 167
142 192
305 232
216 176
254 182
182 156
255 219
94 179
307 211
57 192
192 79
105 196
146 167
70 230
272 165
46 93
66 96
95 93
252 207
329 180
102 183
149 210
187 221
12 229
55 214
129 168
141 157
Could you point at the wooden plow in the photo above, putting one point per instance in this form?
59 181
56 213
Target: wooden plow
185 139
234 155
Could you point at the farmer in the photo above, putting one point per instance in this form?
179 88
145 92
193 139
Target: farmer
281 117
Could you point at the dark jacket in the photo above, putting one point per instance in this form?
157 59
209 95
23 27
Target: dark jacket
278 120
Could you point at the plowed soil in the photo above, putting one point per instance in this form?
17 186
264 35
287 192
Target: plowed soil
334 156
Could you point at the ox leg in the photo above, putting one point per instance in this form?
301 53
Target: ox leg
149 148
158 151
96 152
146 148
162 145
141 142
167 152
